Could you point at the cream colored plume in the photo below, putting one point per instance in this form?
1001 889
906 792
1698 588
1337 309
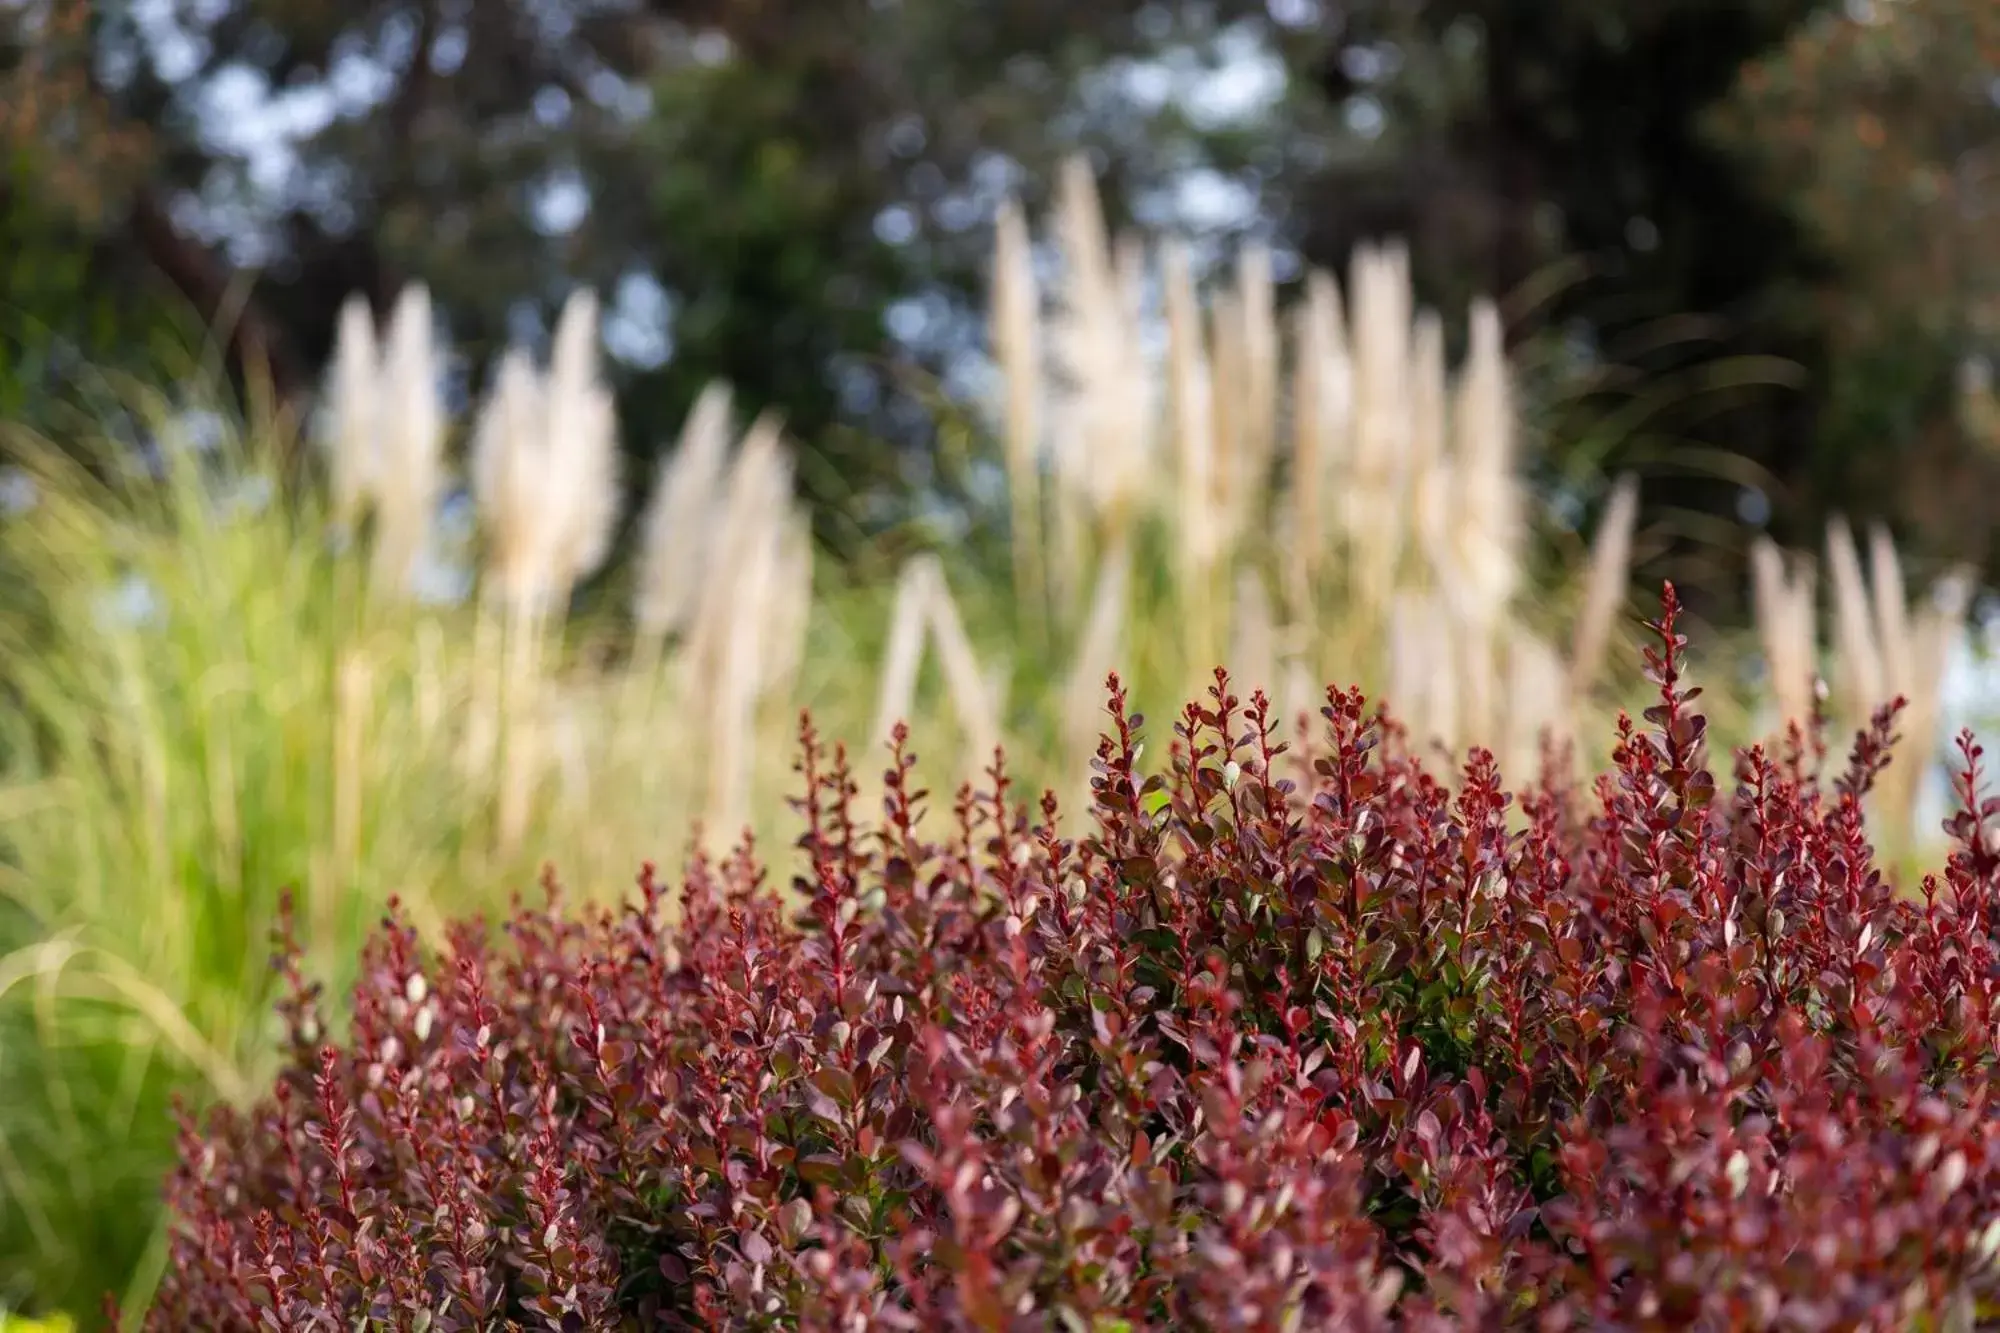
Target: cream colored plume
1538 708
1486 508
1200 523
353 407
788 617
386 437
679 525
1380 291
507 466
1017 346
1605 584
1322 413
544 469
1102 458
583 436
1784 595
1430 452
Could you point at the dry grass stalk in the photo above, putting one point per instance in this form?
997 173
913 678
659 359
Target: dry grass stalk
1424 686
545 478
678 528
1017 346
1783 601
1430 445
1539 705
1197 421
1858 662
1486 503
926 612
1892 612
723 665
903 659
1254 647
788 617
1102 462
353 707
1882 651
970 688
1604 585
1390 459
1381 342
1256 307
1097 655
1322 406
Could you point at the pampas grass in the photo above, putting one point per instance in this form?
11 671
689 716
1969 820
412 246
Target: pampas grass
261 710
1882 649
1317 477
1200 469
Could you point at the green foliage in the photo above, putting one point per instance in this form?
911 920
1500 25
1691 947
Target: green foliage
203 710
1875 129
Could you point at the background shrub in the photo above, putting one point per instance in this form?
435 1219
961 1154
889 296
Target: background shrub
1292 1039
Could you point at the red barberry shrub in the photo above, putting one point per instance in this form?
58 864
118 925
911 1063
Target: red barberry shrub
1292 1040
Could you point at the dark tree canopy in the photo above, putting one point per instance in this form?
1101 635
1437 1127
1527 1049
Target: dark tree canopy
794 195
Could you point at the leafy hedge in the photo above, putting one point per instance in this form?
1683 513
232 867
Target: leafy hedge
1290 1040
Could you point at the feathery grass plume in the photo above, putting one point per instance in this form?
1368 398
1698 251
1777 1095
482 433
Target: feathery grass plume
1938 629
1016 334
507 476
1423 673
1102 459
1539 708
787 619
1322 407
1097 655
353 405
1784 601
1604 586
1858 661
724 663
1487 503
506 483
1255 308
410 433
546 479
583 441
1429 454
1198 520
1912 653
1228 410
545 469
1892 612
1379 289
1881 651
1202 419
677 532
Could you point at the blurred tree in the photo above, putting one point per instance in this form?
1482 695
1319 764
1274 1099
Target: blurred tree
78 304
1558 154
1879 128
791 194
751 185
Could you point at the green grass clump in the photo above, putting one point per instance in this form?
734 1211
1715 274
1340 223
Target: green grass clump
203 707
